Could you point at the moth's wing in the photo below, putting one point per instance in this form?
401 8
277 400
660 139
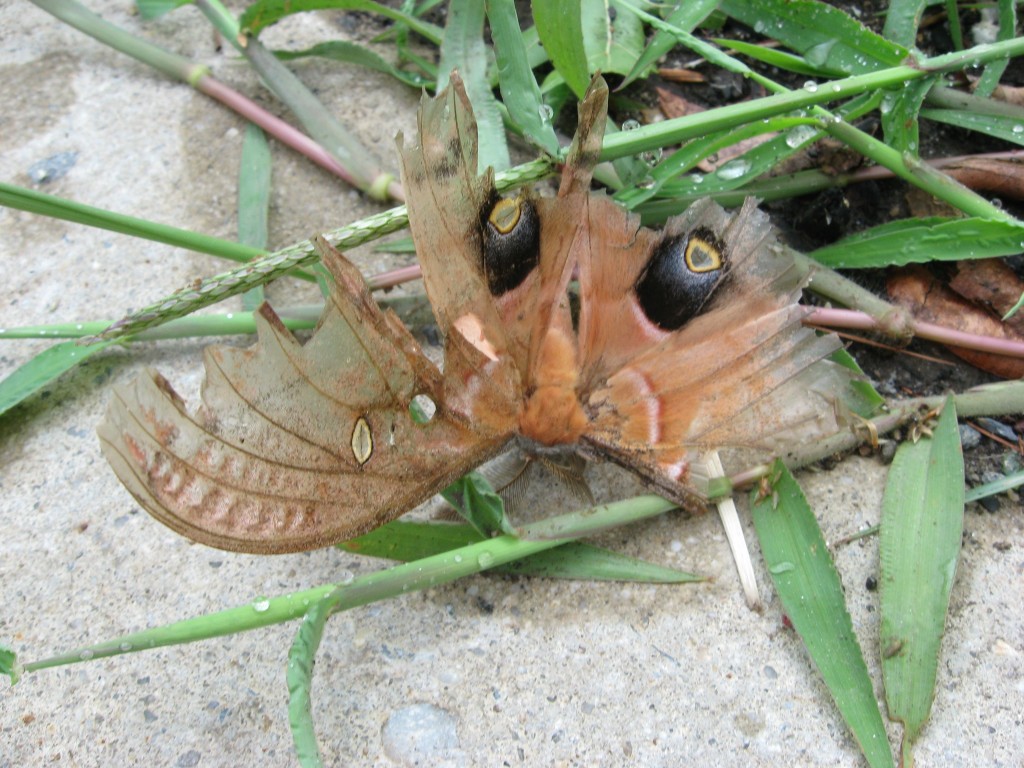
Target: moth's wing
295 446
447 202
741 376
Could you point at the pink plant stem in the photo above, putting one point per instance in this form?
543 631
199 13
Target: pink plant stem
282 131
851 319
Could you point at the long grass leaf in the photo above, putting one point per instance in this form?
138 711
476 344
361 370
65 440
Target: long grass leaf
368 588
263 13
686 16
353 53
825 36
919 545
519 90
410 540
812 597
560 27
42 369
300 682
59 208
1005 127
463 48
253 200
902 19
919 240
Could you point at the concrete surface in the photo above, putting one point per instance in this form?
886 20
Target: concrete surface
495 671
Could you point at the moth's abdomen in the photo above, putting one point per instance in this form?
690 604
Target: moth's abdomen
553 415
680 277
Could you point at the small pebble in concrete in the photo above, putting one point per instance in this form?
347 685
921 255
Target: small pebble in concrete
419 734
52 168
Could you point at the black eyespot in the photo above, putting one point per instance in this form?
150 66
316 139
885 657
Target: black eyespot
680 277
511 243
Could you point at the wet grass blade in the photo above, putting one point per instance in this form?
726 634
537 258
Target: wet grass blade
560 27
825 36
812 597
919 543
463 48
921 240
519 90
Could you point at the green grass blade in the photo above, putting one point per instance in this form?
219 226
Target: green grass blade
353 53
920 240
900 109
154 9
519 90
9 664
919 544
473 497
29 378
686 16
300 681
611 46
812 597
902 20
410 540
994 70
560 27
775 58
463 48
59 208
1003 484
392 582
263 13
825 36
1003 127
253 200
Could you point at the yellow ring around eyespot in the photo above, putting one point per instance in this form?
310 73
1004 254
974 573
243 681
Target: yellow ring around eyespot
505 215
712 257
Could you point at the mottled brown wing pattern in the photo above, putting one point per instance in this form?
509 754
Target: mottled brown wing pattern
295 446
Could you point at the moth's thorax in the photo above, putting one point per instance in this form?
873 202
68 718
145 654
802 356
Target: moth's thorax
552 414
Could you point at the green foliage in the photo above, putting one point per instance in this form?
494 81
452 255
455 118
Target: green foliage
808 584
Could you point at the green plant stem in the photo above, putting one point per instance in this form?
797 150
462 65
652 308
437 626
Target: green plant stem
195 75
380 585
222 286
55 207
322 126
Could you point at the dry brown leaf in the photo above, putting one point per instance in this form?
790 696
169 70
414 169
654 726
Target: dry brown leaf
1002 177
681 75
916 289
674 105
992 283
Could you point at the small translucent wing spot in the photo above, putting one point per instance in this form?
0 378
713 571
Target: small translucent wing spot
362 441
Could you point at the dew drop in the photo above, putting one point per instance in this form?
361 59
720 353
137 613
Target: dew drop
457 558
346 577
782 567
811 87
1018 128
734 169
696 178
799 135
651 157
261 605
546 112
86 655
630 125
485 560
125 647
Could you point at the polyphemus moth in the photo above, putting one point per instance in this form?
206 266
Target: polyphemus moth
687 339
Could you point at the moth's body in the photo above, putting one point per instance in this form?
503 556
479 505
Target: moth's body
687 339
